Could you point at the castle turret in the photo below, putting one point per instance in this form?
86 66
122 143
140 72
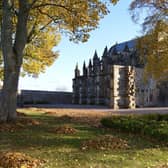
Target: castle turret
104 59
96 64
126 48
114 55
114 52
90 67
95 57
77 71
126 55
84 69
105 53
96 60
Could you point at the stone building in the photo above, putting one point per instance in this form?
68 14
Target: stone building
115 79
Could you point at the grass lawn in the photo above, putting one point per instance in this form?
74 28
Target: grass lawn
64 150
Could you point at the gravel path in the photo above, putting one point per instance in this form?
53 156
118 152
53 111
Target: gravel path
87 110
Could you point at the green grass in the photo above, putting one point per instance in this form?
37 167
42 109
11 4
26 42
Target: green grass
63 151
152 125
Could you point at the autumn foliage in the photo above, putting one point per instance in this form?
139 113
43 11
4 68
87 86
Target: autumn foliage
29 31
153 46
18 160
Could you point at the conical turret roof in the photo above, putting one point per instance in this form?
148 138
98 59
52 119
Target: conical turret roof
76 66
105 53
84 65
90 63
95 55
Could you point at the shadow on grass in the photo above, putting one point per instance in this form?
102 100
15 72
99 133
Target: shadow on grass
39 136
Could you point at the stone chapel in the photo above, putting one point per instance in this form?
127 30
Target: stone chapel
115 79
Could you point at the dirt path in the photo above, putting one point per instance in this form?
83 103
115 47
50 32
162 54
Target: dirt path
91 116
95 111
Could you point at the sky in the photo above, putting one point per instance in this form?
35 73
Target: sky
115 27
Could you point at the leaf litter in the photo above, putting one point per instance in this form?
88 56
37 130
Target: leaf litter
19 160
21 123
106 142
64 129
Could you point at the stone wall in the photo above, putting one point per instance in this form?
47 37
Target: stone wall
122 88
147 91
43 97
163 93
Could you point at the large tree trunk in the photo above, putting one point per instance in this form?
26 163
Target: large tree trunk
12 51
8 101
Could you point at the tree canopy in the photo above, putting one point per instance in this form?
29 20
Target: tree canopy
47 20
29 30
153 46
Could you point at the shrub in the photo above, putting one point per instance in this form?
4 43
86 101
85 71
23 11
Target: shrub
154 126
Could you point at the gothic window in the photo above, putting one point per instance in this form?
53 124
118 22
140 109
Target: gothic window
142 90
151 97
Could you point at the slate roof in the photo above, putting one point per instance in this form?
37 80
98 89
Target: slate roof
120 47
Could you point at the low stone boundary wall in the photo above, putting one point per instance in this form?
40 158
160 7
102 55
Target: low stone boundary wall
43 97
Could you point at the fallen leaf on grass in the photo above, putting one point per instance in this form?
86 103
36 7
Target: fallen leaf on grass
107 142
18 160
21 123
21 114
28 121
10 127
65 129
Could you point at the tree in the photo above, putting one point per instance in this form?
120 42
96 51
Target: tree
153 46
30 28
